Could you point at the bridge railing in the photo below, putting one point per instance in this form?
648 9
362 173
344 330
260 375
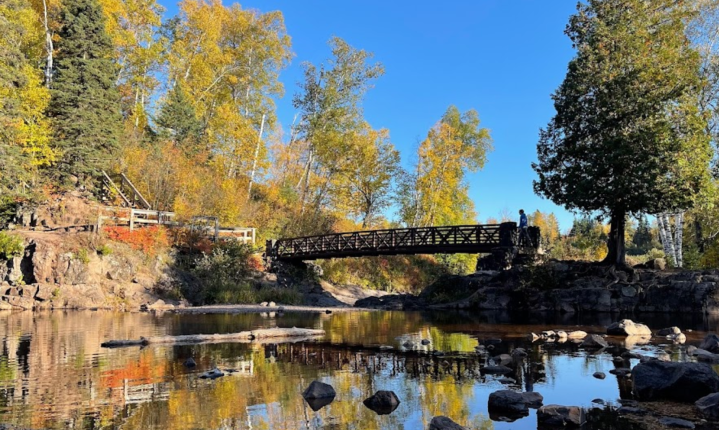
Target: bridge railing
430 239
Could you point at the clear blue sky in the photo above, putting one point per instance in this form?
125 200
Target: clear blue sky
502 58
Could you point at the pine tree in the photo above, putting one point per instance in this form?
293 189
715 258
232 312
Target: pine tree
178 120
85 103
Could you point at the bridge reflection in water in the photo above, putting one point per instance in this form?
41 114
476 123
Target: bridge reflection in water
470 239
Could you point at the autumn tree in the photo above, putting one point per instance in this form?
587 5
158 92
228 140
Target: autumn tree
133 27
329 105
369 179
436 193
24 131
628 135
84 108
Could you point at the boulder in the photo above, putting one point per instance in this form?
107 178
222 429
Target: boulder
594 341
519 353
669 331
682 382
628 328
709 406
676 423
513 403
318 390
710 343
561 416
444 423
382 402
318 395
705 356
118 268
656 264
576 334
425 342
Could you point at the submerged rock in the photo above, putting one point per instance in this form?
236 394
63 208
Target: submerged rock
190 362
444 423
495 370
683 382
212 374
628 328
559 416
382 402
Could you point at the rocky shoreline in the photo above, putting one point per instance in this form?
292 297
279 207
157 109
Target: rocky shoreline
567 288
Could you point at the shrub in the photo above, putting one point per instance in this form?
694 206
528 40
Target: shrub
149 240
10 245
83 256
224 276
104 249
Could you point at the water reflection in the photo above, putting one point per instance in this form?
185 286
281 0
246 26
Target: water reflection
53 373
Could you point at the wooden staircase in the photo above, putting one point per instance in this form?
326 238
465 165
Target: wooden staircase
127 192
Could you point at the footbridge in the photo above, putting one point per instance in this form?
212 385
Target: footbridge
469 239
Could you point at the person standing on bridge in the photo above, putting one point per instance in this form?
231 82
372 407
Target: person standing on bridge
524 239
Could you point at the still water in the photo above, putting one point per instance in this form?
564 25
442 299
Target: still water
54 374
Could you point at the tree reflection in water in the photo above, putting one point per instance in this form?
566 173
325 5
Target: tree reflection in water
53 373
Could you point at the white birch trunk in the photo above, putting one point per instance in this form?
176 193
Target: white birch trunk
48 47
679 237
257 154
668 240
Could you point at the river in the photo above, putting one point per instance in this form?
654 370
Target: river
54 374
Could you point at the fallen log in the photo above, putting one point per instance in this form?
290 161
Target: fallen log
241 337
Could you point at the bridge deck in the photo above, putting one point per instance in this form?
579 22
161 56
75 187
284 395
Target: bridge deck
472 239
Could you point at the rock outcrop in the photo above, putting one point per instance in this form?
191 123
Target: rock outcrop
682 382
568 287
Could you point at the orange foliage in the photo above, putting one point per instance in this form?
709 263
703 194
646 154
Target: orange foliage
148 240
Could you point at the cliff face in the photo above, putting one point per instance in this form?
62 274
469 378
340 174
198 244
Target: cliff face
62 270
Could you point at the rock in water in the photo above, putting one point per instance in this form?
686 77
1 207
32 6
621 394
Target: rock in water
628 328
318 395
507 402
190 362
709 406
212 374
710 343
599 375
444 423
682 382
594 341
669 331
382 402
319 390
560 416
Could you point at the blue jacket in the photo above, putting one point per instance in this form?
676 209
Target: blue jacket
523 220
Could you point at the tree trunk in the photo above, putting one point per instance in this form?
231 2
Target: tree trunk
678 238
699 235
616 254
668 242
257 154
48 47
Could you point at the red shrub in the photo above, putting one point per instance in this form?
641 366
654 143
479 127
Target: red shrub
148 239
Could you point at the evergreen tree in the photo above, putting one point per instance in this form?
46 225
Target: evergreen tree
642 239
85 103
179 121
628 135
